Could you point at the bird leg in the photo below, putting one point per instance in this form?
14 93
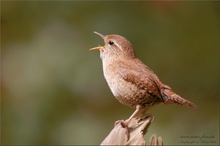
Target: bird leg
138 108
126 122
143 114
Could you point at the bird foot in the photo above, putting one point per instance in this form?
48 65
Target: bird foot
124 123
144 116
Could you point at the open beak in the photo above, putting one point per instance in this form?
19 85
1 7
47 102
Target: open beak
99 47
101 35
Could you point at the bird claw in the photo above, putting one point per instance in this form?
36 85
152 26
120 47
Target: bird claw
144 116
123 123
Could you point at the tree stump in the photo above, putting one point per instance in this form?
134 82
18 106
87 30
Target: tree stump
133 134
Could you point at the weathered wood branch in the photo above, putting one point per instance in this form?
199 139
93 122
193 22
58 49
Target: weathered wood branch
133 134
156 141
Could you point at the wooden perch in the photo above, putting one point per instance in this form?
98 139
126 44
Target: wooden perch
155 141
133 134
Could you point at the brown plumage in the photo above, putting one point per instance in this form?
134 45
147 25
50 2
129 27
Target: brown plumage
131 81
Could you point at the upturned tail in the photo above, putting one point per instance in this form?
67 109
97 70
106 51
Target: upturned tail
170 97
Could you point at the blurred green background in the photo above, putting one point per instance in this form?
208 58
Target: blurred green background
52 87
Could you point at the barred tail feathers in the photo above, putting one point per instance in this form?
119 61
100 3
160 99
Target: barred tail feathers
170 97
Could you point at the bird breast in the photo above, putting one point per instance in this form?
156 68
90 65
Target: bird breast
125 92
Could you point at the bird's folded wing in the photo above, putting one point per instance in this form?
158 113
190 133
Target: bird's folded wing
144 79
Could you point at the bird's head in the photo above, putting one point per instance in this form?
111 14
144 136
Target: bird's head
115 47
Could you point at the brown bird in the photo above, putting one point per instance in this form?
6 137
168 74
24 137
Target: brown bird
132 82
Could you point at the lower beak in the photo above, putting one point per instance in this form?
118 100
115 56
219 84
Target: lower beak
98 48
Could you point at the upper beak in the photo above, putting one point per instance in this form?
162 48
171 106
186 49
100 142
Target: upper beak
99 47
101 35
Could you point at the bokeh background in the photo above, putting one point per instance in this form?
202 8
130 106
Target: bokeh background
52 87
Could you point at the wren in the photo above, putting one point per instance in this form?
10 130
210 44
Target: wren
132 82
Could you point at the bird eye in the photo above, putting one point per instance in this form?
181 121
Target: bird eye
110 42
